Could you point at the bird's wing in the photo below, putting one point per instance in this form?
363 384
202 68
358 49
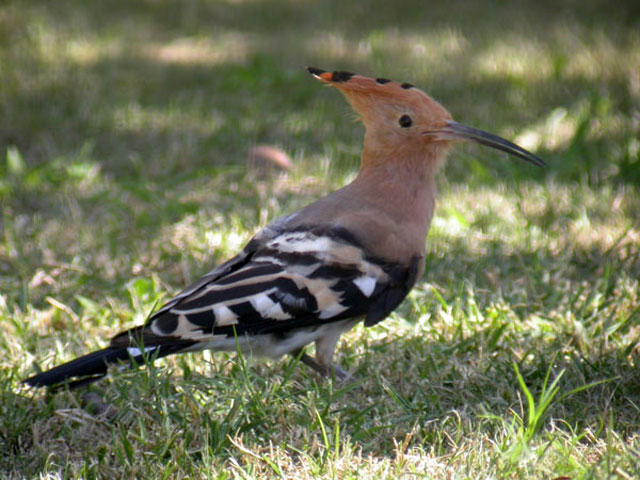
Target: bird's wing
286 278
239 261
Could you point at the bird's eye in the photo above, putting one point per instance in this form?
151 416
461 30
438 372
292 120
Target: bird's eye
405 121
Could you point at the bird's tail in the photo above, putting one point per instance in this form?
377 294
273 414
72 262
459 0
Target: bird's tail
94 366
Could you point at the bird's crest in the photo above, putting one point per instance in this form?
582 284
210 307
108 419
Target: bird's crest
383 87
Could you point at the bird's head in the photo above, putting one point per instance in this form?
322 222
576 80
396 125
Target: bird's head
400 118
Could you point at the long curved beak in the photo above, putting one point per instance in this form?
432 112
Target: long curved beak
457 131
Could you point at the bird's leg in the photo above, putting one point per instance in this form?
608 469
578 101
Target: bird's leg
309 361
340 373
325 348
93 403
324 370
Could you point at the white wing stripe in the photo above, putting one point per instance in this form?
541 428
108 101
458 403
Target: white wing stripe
301 242
268 308
332 310
135 351
366 284
224 315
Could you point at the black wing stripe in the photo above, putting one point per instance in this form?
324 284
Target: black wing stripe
216 297
166 324
252 271
348 290
204 319
335 272
295 300
248 314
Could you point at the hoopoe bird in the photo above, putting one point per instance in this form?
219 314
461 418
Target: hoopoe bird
313 275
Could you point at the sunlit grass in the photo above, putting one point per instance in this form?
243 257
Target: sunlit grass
124 138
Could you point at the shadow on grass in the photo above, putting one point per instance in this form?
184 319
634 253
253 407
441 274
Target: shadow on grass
432 393
206 111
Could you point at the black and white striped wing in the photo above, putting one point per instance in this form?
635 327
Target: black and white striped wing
282 281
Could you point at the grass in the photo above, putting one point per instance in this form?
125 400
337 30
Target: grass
124 131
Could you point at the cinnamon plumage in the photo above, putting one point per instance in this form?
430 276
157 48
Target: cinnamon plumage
311 276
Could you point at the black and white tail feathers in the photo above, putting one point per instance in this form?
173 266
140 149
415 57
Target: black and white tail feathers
93 366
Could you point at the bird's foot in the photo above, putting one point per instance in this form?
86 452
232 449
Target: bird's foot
335 371
93 404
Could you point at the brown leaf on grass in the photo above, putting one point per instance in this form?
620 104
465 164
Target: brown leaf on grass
265 159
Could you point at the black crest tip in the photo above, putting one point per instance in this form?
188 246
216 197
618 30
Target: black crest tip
382 81
406 86
315 71
339 76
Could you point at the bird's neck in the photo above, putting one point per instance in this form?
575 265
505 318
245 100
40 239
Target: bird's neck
401 184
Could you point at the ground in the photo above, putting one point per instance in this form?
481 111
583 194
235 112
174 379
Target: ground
124 136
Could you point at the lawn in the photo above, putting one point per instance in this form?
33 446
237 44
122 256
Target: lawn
124 136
